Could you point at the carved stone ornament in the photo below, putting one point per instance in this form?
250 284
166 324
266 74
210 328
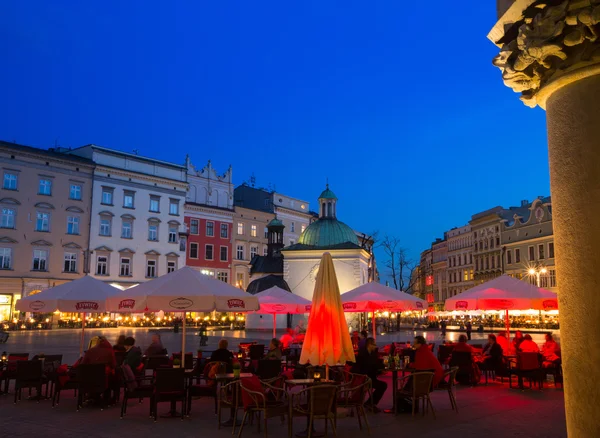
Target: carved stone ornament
550 40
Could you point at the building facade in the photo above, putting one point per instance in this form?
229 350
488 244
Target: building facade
487 248
528 243
137 227
208 218
439 257
293 213
45 203
460 269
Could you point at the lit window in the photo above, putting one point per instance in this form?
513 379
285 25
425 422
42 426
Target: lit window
223 276
102 265
194 226
125 267
210 228
224 254
128 199
266 232
5 258
72 225
105 227
171 266
541 254
10 181
240 279
208 252
174 207
45 187
126 229
7 220
42 222
466 275
154 204
240 228
265 251
224 231
303 227
153 232
253 231
75 192
193 250
172 234
240 252
70 262
40 260
151 268
107 195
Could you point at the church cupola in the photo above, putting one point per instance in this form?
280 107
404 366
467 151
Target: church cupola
275 237
327 204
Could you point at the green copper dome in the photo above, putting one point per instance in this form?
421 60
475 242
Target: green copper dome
275 223
327 194
327 232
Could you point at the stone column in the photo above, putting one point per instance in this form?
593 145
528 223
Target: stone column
550 53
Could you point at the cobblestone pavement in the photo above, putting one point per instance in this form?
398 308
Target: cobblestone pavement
485 411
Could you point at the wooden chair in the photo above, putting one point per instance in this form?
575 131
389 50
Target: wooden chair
316 402
169 386
528 366
11 368
444 353
464 361
450 379
418 389
352 396
255 401
29 374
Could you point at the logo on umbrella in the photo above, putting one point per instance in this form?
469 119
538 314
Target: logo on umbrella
389 304
349 306
499 304
86 305
461 305
127 304
37 305
308 307
181 303
419 305
278 307
236 303
550 305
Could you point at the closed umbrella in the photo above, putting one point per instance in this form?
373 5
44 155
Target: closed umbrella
84 295
184 290
327 340
276 301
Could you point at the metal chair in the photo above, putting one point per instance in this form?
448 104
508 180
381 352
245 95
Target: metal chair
450 379
316 402
352 396
418 389
91 379
255 402
169 386
135 388
29 374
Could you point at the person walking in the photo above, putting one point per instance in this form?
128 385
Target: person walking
469 329
443 327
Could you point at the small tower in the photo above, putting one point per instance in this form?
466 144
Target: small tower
327 203
275 237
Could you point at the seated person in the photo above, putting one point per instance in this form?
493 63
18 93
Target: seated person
102 352
492 353
156 347
120 345
503 343
517 340
426 361
462 345
368 363
363 339
550 351
528 346
274 352
287 339
222 354
133 357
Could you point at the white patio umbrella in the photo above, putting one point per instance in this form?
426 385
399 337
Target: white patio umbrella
84 295
372 297
276 301
184 290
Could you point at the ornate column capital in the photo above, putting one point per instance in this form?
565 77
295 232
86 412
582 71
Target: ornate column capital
545 45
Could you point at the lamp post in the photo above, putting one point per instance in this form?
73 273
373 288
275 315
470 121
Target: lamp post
538 272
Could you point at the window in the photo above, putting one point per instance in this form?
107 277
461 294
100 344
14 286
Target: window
292 242
491 243
127 229
293 227
75 192
240 228
174 207
210 228
253 231
172 234
107 195
102 265
40 260
171 266
471 275
470 259
43 222
151 268
105 227
551 250
45 187
466 275
194 226
10 181
265 251
125 267
208 252
517 255
487 263
541 255
477 264
193 250
128 199
509 257
70 262
224 231
531 253
224 254
72 225
551 278
493 262
223 276
7 220
155 204
240 252
153 232
5 258
240 279
497 241
266 232
253 251
303 227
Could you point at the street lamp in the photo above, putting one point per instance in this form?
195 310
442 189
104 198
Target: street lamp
538 272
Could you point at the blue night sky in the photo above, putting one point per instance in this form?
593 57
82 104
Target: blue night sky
400 107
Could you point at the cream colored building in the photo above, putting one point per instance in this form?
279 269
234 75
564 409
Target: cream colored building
45 203
460 260
487 249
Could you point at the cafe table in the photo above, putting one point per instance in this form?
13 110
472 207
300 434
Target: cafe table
394 370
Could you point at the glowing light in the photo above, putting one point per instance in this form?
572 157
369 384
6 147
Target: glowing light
47 319
543 270
531 271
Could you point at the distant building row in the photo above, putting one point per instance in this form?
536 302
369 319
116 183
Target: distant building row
517 241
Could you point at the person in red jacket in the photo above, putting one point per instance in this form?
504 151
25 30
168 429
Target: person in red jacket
102 352
425 360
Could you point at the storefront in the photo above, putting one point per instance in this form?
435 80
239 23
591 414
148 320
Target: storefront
7 305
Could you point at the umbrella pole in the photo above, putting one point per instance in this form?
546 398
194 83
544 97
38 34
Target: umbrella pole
82 334
183 341
274 325
507 325
374 329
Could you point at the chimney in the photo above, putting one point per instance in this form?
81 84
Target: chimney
524 203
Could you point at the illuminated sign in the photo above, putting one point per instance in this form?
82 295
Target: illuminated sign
498 304
126 304
349 306
5 299
430 298
419 305
429 280
550 304
461 305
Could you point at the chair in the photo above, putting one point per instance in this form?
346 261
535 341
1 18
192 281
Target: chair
444 353
189 360
464 361
11 368
91 379
268 369
418 389
257 352
229 398
62 383
255 401
207 386
29 374
528 366
136 388
450 379
155 362
316 402
352 396
169 386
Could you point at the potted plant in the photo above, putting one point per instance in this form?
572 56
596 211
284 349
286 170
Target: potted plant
236 369
177 363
